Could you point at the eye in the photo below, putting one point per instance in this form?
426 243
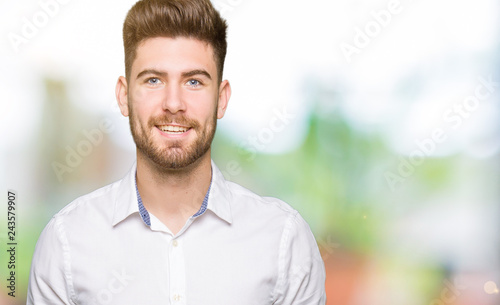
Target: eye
193 83
153 81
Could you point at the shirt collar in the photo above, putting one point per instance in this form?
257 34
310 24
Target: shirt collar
219 197
143 212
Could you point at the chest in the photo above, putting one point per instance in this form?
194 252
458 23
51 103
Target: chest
210 266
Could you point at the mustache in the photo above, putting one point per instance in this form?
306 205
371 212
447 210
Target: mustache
170 119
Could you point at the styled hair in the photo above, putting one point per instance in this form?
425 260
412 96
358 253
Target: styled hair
174 18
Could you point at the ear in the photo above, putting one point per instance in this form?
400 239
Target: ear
224 95
121 92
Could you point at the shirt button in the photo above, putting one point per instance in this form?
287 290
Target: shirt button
175 243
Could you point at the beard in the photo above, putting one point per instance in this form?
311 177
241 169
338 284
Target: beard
173 155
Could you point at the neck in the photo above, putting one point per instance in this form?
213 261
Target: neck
173 195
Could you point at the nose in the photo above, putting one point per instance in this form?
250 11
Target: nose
173 100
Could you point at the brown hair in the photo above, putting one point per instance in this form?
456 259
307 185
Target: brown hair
174 18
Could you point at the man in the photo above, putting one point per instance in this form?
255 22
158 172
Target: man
173 231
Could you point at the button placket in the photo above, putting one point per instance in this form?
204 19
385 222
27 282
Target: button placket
177 273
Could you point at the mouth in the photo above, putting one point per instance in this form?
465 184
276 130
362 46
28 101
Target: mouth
173 129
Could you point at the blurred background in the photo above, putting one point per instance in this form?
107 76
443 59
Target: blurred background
377 120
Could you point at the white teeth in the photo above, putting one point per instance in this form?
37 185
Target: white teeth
176 129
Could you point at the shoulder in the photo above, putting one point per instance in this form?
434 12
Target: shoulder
271 211
90 212
242 195
277 218
98 199
96 207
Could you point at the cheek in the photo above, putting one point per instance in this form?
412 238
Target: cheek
201 106
144 103
139 114
146 98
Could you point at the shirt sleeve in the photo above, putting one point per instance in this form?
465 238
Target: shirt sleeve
50 279
302 276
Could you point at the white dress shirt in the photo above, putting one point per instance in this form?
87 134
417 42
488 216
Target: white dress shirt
243 250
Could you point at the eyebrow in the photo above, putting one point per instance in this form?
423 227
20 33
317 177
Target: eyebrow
184 74
196 72
151 71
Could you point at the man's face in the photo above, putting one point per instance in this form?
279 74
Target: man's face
173 99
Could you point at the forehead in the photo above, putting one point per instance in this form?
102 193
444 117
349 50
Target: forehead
174 55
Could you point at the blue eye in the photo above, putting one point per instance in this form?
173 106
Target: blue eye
193 83
153 81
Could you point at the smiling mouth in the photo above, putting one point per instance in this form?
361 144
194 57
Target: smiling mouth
173 129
